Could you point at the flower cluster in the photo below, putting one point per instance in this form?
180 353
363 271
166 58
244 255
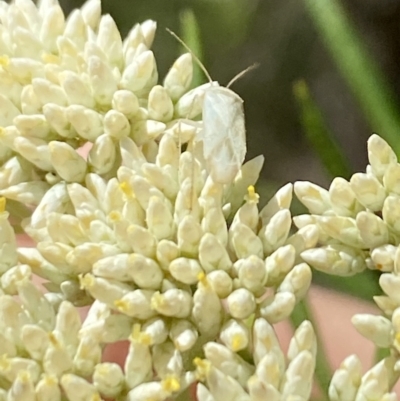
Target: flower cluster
188 271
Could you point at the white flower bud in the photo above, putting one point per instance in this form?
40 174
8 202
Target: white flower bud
245 242
378 329
380 155
78 93
305 238
179 77
183 334
221 385
241 303
29 193
369 191
235 335
160 105
91 13
145 272
7 347
346 379
22 389
116 124
47 92
35 340
281 200
48 389
87 356
56 360
34 150
140 74
298 376
102 155
167 251
168 152
313 197
386 304
78 389
162 179
144 131
159 219
8 111
339 260
154 391
384 257
279 264
391 212
373 229
304 339
185 270
260 391
189 235
34 125
203 394
297 281
167 361
125 102
220 282
109 40
391 179
138 363
51 27
87 123
108 378
136 304
390 284
11 278
214 223
68 164
204 301
252 274
343 199
56 116
186 202
173 302
191 103
212 254
269 371
68 324
278 307
156 329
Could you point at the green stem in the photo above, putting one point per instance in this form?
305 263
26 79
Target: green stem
323 372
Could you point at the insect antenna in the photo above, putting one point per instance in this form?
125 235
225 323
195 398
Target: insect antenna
240 75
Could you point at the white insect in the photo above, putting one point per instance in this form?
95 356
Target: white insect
224 132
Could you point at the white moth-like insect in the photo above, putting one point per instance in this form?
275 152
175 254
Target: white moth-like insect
224 132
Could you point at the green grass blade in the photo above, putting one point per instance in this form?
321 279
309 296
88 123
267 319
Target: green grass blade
190 32
358 68
318 134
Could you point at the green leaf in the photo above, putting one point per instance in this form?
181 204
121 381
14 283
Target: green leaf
318 134
358 68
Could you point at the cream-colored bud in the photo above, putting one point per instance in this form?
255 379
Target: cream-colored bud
245 242
145 272
190 105
162 178
369 191
298 376
391 179
148 29
214 223
235 335
373 229
346 380
75 28
269 371
142 241
8 111
35 340
29 193
108 378
91 13
297 281
275 233
384 257
386 304
183 334
138 363
87 356
220 282
186 202
140 74
137 304
156 329
22 389
279 264
185 270
113 267
160 105
173 302
77 91
203 394
378 329
47 92
132 159
34 150
56 360
220 384
212 254
305 238
7 346
102 80
252 274
343 229
51 27
205 300
278 307
391 212
109 40
125 102
34 125
313 197
102 155
241 303
228 362
168 152
390 284
116 124
339 260
159 219
380 155
78 389
68 324
343 199
48 389
179 77
189 235
105 290
56 116
259 390
167 251
11 278
14 170
144 131
68 164
154 391
167 361
87 123
303 339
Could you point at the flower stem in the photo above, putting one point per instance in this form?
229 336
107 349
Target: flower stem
323 372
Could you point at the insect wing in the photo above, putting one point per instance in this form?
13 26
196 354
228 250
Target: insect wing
224 134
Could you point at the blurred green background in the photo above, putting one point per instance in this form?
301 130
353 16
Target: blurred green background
328 78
